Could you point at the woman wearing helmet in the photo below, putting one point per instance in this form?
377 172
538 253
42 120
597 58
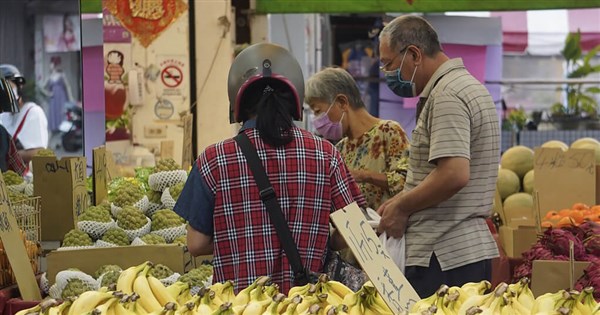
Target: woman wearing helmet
221 201
29 126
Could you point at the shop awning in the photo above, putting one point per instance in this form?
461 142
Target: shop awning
544 32
382 6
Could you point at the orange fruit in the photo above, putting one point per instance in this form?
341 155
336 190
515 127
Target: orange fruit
595 209
564 212
555 217
580 206
586 212
547 224
550 214
592 217
565 221
576 215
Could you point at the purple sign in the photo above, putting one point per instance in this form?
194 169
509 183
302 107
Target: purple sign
113 31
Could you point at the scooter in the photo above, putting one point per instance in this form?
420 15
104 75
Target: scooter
72 131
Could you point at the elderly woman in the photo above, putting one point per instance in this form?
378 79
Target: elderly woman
372 148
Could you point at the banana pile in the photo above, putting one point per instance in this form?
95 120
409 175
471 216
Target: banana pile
516 299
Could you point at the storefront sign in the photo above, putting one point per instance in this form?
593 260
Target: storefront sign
372 256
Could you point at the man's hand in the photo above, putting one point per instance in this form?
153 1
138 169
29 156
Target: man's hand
393 219
358 175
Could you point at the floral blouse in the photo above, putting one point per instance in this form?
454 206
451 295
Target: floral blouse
382 149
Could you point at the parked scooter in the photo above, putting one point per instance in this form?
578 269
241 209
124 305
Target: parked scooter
72 129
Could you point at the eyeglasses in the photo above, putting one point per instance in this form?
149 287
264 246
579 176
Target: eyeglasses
383 67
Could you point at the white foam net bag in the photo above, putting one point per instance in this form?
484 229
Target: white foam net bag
167 200
44 283
15 189
63 277
132 234
95 229
74 247
142 205
137 242
161 180
28 191
171 234
101 243
153 207
170 279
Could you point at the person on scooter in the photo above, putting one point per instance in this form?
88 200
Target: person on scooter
28 127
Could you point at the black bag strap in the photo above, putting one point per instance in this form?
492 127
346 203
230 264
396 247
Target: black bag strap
268 197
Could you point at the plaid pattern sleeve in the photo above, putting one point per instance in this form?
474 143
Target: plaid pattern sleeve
15 162
345 190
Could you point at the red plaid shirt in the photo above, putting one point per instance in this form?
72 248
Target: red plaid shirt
15 162
310 180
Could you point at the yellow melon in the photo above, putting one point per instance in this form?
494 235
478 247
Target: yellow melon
508 183
581 141
518 159
528 182
519 204
556 144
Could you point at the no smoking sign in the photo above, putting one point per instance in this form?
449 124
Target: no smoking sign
171 76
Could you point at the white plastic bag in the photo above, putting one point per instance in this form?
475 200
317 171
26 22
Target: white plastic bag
396 248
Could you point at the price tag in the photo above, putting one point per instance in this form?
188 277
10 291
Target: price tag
80 194
372 256
564 178
99 175
15 249
187 158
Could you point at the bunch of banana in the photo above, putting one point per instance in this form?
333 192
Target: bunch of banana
41 308
224 291
366 301
565 303
335 290
484 302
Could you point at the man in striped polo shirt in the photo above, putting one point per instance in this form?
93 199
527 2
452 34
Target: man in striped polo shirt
453 162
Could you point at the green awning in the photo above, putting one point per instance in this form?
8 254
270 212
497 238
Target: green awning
383 6
91 6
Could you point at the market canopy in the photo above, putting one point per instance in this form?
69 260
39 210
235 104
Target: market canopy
382 6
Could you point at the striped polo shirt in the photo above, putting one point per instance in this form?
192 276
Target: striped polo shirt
458 119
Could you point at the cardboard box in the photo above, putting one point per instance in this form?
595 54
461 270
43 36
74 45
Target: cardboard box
89 260
517 240
61 184
553 276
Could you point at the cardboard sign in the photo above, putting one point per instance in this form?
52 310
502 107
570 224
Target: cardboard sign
15 249
186 157
372 256
564 178
99 175
167 149
61 184
549 276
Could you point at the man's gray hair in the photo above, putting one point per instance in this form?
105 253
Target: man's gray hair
411 30
329 82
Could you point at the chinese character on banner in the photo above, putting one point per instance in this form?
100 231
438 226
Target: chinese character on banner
146 19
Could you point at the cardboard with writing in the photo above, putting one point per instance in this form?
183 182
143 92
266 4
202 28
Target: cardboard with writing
89 260
99 174
551 276
372 256
563 178
61 184
186 156
15 249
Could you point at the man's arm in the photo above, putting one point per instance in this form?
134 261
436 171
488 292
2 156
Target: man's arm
28 154
199 243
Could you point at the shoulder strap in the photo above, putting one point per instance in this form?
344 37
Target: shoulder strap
268 197
21 124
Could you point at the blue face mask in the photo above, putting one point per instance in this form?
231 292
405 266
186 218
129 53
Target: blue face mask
399 86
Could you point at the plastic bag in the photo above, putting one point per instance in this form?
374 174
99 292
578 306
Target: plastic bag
396 247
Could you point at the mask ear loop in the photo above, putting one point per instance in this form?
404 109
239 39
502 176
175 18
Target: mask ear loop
401 64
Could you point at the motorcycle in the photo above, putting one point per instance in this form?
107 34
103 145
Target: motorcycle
72 131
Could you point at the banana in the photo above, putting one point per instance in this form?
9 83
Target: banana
313 309
103 309
142 287
243 297
87 301
176 288
273 308
292 306
483 301
184 297
168 309
257 303
424 304
128 276
160 291
224 291
549 302
476 288
224 309
299 290
120 307
585 301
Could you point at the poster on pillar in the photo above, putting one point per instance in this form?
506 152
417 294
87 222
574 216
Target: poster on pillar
173 86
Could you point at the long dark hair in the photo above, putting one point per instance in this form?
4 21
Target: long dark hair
272 102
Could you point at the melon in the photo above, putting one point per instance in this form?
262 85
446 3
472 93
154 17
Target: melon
508 183
592 146
577 143
519 204
528 182
518 159
556 144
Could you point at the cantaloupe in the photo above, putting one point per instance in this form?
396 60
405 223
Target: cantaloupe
528 182
518 159
519 204
508 183
556 144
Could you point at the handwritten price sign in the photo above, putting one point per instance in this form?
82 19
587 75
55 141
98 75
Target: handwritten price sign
563 178
372 256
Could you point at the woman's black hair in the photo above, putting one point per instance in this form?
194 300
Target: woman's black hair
272 102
